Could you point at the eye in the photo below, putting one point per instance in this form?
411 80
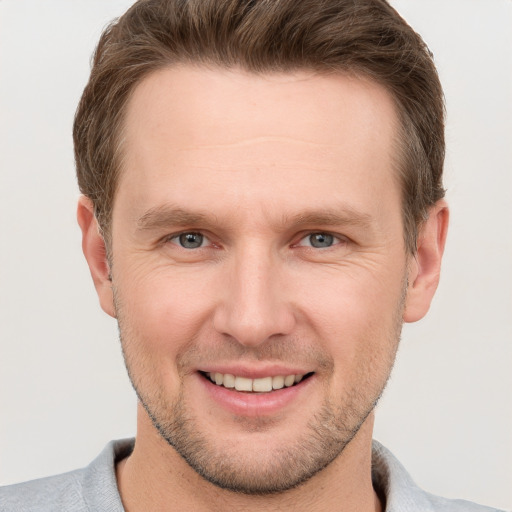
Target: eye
189 240
319 240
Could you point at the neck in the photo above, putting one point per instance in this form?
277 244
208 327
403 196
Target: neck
155 477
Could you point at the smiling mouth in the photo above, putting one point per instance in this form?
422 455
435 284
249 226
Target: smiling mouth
261 385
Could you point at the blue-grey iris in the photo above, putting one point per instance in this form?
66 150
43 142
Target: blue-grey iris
191 240
320 240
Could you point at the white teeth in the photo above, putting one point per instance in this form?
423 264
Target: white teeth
289 380
278 382
229 380
261 385
243 384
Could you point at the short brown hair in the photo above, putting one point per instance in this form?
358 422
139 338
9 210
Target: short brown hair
362 37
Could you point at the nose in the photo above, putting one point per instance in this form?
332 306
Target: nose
254 304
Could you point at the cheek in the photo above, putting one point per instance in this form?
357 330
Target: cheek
348 299
163 310
356 316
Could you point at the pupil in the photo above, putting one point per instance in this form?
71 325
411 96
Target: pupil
321 240
191 240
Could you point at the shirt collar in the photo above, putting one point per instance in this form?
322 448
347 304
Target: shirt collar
390 479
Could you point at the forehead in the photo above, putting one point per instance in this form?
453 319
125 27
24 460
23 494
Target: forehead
212 105
241 135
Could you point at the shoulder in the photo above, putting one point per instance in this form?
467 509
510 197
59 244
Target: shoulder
401 492
93 488
60 492
446 505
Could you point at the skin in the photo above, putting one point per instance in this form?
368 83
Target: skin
257 165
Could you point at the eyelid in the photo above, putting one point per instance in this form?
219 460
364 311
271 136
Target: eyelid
207 239
173 237
337 238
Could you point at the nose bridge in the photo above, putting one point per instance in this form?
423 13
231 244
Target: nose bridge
254 306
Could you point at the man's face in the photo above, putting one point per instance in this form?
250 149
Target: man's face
257 236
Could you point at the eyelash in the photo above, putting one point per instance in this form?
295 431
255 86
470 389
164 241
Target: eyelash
177 237
335 240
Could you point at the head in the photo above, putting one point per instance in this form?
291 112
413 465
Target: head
246 167
366 38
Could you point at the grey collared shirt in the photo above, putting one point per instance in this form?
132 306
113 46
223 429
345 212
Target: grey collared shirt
94 488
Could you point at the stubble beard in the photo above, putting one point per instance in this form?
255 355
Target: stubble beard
287 467
327 434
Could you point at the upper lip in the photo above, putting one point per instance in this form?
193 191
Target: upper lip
252 372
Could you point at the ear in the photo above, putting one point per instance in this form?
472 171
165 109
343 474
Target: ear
93 246
425 265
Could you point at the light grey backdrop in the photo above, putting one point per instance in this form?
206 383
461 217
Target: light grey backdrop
447 413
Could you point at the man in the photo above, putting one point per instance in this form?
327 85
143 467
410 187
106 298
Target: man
262 208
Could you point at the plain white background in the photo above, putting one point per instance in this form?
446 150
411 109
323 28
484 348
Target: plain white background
447 413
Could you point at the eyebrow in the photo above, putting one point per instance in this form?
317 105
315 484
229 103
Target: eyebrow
343 216
165 216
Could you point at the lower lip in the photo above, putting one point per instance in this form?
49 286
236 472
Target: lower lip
253 405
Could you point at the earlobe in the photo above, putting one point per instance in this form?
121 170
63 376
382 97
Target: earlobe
425 266
93 247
